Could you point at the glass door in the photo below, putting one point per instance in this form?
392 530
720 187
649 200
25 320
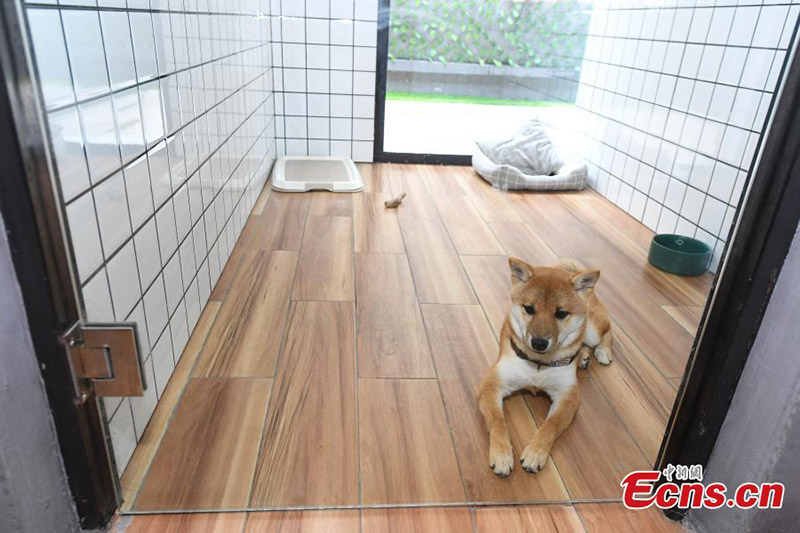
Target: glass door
451 73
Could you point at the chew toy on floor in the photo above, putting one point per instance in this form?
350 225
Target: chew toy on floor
394 202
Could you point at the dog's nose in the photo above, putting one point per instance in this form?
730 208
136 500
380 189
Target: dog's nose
539 343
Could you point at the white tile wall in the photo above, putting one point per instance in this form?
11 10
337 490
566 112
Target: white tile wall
161 122
325 55
673 99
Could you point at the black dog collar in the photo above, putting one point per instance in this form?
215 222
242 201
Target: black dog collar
566 361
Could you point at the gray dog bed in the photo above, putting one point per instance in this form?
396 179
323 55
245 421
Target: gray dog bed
527 160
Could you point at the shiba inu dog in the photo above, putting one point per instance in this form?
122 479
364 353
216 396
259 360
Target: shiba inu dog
555 320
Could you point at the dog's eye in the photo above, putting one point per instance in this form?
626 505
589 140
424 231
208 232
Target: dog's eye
560 314
529 309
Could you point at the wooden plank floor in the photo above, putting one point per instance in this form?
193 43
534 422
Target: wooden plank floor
407 455
344 346
391 337
245 338
308 454
209 453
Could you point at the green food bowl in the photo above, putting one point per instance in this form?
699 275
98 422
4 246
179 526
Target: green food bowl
679 254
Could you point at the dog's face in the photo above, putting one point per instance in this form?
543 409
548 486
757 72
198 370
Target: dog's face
549 305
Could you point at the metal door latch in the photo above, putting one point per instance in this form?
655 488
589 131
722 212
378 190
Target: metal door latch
104 358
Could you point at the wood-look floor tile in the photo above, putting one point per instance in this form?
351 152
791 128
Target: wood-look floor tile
665 342
438 275
263 198
309 451
520 241
491 278
391 335
417 204
139 463
637 391
232 265
245 339
331 204
441 181
374 177
493 204
281 225
333 521
646 281
376 227
601 517
208 455
467 230
539 518
406 453
463 348
181 523
325 269
687 316
421 520
595 452
668 288
602 213
616 235
699 286
564 232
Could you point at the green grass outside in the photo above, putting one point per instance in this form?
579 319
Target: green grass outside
459 99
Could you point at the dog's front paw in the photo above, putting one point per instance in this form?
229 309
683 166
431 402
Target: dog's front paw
534 458
501 459
584 357
603 355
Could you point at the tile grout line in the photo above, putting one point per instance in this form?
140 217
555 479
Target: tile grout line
152 216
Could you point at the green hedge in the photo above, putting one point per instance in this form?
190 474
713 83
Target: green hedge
519 33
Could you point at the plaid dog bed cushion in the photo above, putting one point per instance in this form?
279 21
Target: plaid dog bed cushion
527 160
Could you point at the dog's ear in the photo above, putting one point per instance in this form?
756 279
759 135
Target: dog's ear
520 270
585 280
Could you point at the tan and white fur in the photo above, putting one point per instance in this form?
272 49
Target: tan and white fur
555 316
